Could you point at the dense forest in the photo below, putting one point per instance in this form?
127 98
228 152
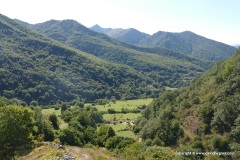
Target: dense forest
36 68
203 117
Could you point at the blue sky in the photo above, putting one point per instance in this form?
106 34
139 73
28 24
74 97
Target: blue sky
214 19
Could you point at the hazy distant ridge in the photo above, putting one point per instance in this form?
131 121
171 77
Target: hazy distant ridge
186 42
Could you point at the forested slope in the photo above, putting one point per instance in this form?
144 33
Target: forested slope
201 117
34 67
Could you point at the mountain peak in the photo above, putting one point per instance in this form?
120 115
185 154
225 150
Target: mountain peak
186 42
99 29
96 26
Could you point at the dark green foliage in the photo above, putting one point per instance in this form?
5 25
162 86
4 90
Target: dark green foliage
8 94
110 132
34 103
48 130
220 144
163 130
96 116
117 142
104 132
235 133
16 127
64 107
197 143
206 113
90 135
224 117
44 126
72 136
81 104
54 120
81 127
185 104
111 111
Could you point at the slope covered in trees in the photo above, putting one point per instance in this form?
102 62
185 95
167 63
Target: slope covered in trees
185 42
36 68
161 66
202 117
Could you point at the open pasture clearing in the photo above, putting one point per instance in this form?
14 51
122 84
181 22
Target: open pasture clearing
51 111
118 105
121 116
121 130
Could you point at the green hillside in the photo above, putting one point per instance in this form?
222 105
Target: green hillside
161 66
36 68
185 42
192 44
203 117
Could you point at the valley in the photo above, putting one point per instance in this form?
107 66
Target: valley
115 93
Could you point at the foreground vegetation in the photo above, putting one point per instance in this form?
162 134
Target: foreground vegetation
47 152
84 128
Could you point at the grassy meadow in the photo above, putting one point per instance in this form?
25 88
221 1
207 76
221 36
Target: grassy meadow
120 129
121 116
118 105
51 111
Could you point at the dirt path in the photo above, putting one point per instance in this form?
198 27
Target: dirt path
79 151
86 156
188 133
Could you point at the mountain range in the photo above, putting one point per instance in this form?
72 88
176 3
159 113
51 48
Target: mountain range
64 60
185 42
157 64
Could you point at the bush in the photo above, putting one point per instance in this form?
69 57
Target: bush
56 107
111 111
54 120
34 103
72 136
185 104
195 100
48 130
148 142
206 113
220 144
